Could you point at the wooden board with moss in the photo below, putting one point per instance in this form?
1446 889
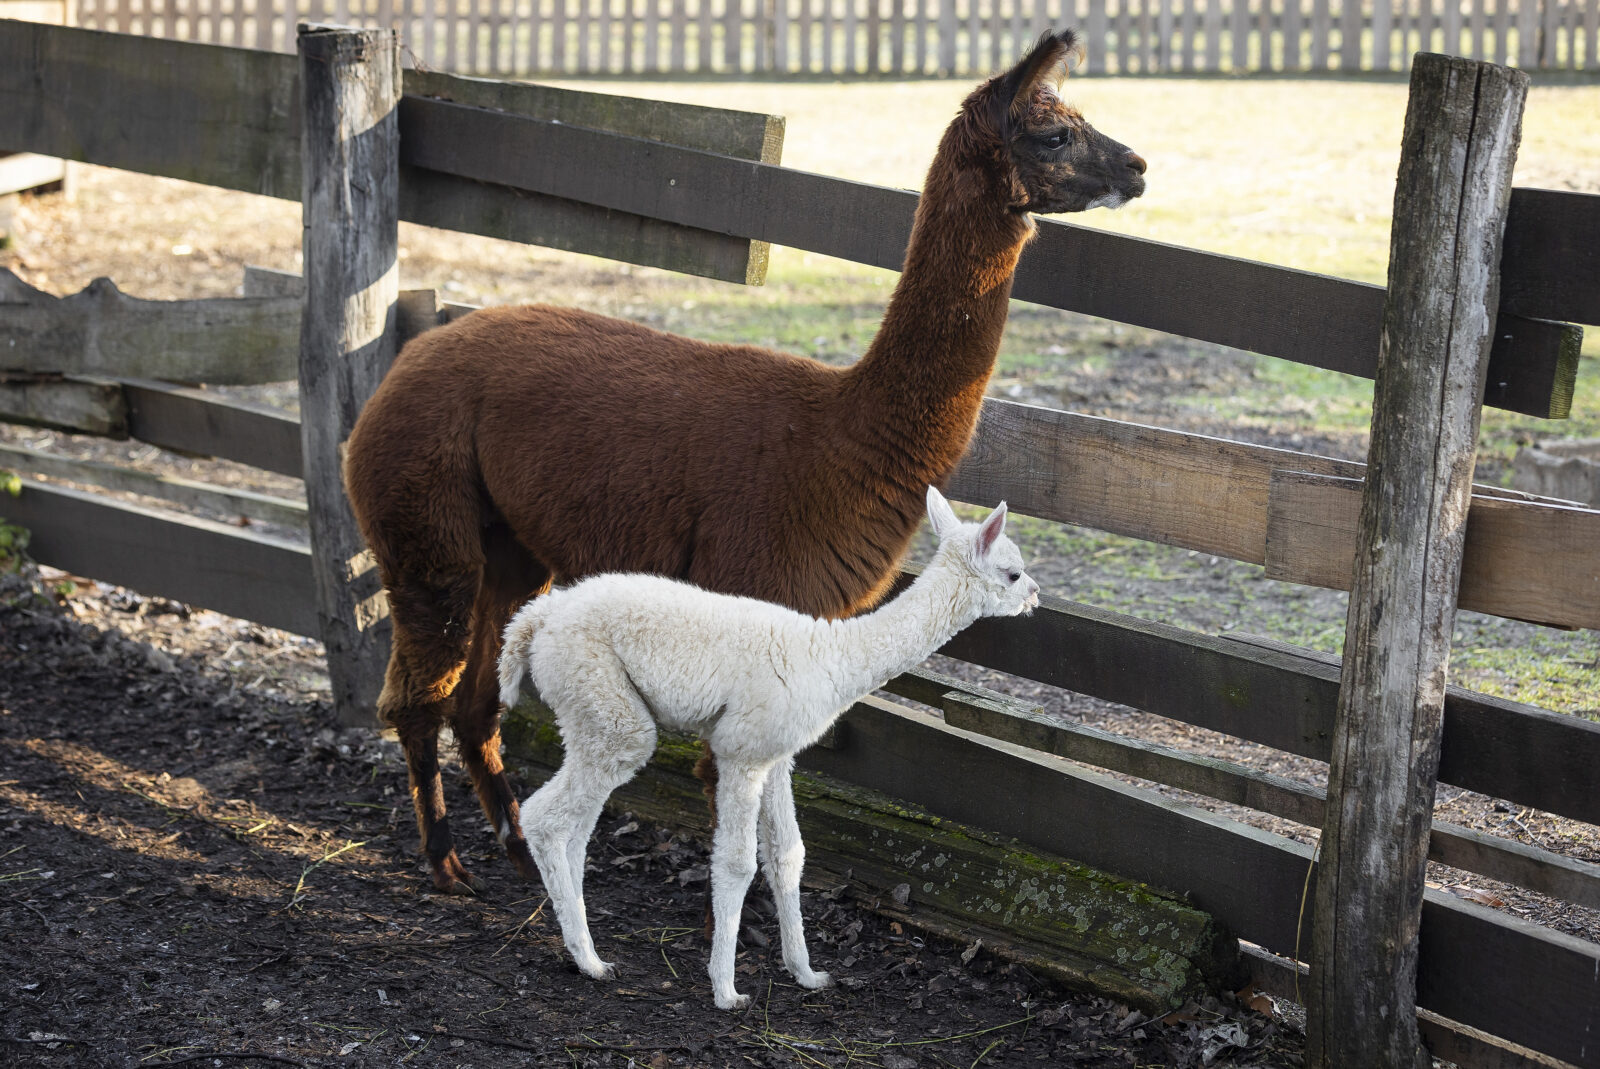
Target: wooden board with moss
1088 930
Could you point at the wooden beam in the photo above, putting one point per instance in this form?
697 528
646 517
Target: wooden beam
1159 485
189 420
199 562
80 406
1085 929
450 202
1000 717
187 492
1463 123
220 116
1283 697
1484 969
1313 319
1523 560
1451 1041
350 86
1550 265
100 330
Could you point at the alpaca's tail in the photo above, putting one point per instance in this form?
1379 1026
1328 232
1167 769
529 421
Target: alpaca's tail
519 636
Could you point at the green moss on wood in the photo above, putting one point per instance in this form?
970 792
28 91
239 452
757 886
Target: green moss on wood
1087 929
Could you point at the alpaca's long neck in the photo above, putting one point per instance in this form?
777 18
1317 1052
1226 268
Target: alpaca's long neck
922 380
895 637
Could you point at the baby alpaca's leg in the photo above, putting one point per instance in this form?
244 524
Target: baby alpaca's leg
783 856
550 822
733 864
559 818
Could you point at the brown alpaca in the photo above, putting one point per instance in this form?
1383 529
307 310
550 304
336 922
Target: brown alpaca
523 445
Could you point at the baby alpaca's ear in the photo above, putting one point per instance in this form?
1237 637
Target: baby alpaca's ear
991 529
940 515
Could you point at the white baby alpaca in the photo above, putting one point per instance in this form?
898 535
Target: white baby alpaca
616 654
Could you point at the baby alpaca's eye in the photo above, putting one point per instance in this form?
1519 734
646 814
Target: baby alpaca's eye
1015 576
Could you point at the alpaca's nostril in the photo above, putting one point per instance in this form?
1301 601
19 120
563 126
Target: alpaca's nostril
1135 163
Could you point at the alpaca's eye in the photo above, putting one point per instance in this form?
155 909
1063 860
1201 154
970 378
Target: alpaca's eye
1015 576
1058 139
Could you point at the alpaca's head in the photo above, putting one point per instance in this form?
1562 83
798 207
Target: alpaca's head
991 559
1044 155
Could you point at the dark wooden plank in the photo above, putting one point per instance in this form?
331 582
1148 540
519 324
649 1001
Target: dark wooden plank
1248 879
1283 698
1487 970
350 87
81 406
188 492
449 202
1527 561
189 420
100 330
213 565
220 116
1550 265
1313 319
1449 1040
746 135
454 203
999 717
1063 918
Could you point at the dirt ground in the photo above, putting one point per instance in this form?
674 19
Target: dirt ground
197 868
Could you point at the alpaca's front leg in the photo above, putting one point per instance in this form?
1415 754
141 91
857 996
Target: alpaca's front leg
784 855
733 865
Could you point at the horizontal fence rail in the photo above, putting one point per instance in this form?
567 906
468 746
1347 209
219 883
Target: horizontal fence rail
896 37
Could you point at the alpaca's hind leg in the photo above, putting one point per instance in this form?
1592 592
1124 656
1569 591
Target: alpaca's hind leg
425 662
783 855
733 865
550 822
608 740
510 577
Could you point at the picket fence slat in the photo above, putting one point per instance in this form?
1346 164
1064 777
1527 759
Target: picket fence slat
861 37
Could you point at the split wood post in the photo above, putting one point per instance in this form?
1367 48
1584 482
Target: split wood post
350 88
1462 127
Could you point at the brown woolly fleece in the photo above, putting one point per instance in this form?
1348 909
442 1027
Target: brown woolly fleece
522 445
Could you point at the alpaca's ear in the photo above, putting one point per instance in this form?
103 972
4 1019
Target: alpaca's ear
1046 66
940 515
991 529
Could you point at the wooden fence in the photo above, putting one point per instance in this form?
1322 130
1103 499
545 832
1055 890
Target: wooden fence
1491 988
897 37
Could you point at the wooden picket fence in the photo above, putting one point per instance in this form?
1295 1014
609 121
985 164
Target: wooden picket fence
896 37
1493 989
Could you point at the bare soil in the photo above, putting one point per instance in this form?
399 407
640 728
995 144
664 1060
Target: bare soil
197 867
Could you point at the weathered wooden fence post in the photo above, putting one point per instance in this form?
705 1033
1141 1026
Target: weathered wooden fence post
1462 127
350 89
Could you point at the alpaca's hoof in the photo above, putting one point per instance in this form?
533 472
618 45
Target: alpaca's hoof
599 970
733 1001
814 981
452 878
